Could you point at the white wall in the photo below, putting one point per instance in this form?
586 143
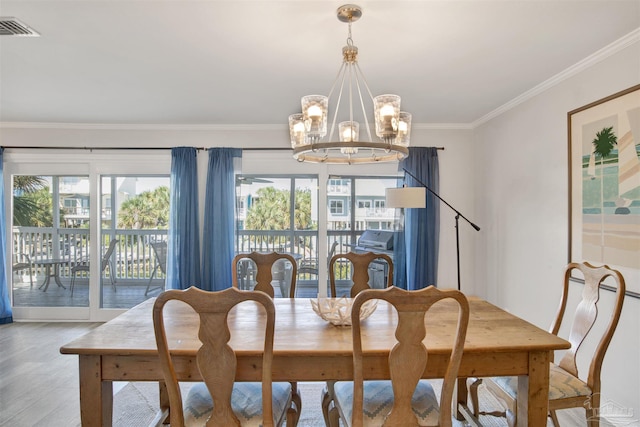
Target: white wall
522 188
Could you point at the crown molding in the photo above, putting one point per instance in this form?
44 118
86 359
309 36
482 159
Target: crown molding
600 55
146 127
191 127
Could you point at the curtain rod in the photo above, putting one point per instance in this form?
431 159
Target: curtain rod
39 147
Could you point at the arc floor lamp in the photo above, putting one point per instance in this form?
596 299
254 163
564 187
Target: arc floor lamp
415 197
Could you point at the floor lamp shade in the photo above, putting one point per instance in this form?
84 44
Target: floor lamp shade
406 197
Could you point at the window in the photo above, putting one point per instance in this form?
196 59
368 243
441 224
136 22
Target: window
138 216
279 213
336 207
362 208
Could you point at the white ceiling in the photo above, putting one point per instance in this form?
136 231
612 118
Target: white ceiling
249 62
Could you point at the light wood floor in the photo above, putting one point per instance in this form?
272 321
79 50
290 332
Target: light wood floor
38 385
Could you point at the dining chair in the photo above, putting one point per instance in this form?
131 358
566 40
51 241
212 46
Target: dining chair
405 400
106 262
360 264
160 252
268 267
265 263
567 387
219 400
21 262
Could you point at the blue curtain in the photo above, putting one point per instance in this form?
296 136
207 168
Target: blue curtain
416 254
219 213
183 256
6 316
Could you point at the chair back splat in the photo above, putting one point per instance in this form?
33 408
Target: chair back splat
216 360
265 264
359 270
406 400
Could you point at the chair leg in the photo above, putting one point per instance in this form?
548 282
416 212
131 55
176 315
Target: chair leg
554 418
112 276
31 276
334 417
473 393
297 400
73 282
153 274
592 411
327 398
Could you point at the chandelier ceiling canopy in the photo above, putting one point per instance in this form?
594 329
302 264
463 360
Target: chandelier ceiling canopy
309 128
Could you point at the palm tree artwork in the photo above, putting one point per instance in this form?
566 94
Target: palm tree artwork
603 144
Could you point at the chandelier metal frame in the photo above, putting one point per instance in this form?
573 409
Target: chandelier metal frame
307 129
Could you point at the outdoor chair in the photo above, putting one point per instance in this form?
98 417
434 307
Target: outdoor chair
310 266
160 251
106 262
219 400
21 262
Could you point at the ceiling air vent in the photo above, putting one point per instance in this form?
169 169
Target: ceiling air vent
10 26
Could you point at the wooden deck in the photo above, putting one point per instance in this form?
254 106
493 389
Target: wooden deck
127 294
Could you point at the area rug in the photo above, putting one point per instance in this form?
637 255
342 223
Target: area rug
136 404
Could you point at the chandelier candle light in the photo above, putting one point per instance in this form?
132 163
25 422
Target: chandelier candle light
392 126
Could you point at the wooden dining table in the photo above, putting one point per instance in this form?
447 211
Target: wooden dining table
307 348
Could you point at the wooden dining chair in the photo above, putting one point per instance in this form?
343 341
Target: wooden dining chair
266 264
219 400
405 400
360 263
104 263
567 387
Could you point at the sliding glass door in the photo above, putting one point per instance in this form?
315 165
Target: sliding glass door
49 238
87 245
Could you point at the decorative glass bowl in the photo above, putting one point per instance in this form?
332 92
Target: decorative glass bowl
337 311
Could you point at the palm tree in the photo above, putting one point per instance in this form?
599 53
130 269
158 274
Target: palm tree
25 206
603 144
149 209
270 210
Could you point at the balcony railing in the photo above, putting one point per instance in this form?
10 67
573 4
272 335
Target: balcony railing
133 257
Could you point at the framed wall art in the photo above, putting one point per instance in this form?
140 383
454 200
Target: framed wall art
604 180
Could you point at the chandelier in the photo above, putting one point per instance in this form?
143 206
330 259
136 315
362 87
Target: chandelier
392 126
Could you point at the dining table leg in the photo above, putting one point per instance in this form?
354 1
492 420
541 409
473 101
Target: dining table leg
96 395
533 410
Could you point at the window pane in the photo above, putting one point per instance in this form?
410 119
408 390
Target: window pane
279 213
355 204
49 238
134 211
